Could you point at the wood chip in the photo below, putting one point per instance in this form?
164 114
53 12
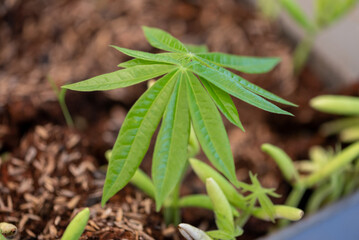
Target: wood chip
57 220
30 233
73 202
22 222
53 230
30 154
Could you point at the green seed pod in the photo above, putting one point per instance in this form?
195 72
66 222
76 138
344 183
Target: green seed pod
341 105
280 212
8 230
221 207
77 226
283 161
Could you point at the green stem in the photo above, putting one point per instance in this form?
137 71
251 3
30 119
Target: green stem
245 215
64 108
293 200
61 98
318 198
171 212
337 163
301 53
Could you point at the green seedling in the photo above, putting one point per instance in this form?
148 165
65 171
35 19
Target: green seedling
77 226
329 174
326 12
60 94
348 127
193 86
7 230
233 207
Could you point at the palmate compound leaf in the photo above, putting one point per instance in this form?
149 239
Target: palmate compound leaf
121 78
135 135
170 155
163 40
209 128
228 82
224 103
242 63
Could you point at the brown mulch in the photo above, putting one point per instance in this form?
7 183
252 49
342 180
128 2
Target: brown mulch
53 177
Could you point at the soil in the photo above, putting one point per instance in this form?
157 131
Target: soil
49 172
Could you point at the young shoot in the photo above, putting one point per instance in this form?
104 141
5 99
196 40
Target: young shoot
326 12
77 226
192 86
7 230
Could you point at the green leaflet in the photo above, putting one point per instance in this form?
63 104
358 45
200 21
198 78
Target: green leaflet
147 56
246 84
209 128
136 62
242 63
135 135
196 48
121 78
224 103
170 153
261 194
222 208
163 40
232 86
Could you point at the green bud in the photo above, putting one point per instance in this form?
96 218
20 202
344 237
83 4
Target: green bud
8 230
283 161
341 105
77 226
280 212
192 233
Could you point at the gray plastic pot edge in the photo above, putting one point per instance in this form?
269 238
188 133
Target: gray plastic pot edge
337 221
